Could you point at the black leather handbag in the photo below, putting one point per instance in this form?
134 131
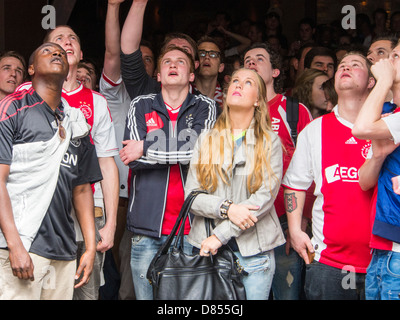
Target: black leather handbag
175 275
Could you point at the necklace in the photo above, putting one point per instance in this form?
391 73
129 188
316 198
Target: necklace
61 129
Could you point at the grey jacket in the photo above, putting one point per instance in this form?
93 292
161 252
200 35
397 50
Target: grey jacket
267 233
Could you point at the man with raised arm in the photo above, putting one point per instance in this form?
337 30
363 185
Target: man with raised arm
113 88
162 129
380 173
136 80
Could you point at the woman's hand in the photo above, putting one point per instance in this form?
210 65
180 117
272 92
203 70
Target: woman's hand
242 216
210 245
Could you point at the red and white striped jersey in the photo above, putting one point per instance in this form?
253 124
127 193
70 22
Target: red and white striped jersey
328 154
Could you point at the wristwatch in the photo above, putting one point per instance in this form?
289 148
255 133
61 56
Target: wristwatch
224 208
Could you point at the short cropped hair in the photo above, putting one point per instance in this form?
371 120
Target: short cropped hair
389 37
360 54
319 51
184 36
276 62
172 48
18 56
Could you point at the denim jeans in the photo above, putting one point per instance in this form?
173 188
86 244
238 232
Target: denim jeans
383 276
142 252
324 282
260 269
287 282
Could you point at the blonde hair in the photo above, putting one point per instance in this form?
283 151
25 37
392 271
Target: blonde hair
217 141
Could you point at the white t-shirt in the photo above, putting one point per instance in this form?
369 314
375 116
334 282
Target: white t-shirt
118 102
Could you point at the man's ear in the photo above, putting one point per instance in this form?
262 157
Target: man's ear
296 64
158 77
275 73
371 82
227 78
196 64
31 70
221 68
191 77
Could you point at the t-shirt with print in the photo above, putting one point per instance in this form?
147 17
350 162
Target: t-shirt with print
95 109
25 118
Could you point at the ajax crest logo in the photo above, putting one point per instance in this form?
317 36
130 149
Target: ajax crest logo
86 110
365 150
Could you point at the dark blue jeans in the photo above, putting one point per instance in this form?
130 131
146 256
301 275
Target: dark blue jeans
324 282
287 283
288 278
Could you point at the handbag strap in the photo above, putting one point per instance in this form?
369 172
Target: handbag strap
180 223
292 116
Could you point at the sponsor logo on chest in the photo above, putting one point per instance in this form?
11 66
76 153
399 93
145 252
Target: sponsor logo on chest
153 121
347 173
275 123
337 172
69 160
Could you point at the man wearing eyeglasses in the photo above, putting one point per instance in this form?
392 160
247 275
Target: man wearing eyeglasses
47 163
211 64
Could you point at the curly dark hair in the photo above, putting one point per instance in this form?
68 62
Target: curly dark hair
276 62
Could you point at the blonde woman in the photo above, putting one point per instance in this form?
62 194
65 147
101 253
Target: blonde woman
239 164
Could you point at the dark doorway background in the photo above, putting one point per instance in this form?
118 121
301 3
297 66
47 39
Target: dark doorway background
21 30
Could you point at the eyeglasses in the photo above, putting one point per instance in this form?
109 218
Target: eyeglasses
61 130
212 54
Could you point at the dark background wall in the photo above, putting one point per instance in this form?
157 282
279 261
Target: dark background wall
21 30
